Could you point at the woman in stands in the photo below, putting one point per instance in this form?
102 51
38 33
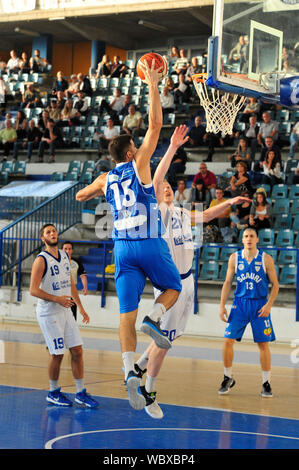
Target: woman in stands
69 115
104 67
242 153
240 181
272 169
260 212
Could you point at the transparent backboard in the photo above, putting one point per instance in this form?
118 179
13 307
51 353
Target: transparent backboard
254 41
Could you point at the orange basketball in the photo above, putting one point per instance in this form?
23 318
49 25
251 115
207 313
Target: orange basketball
159 62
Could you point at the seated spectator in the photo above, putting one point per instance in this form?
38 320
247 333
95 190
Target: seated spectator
29 142
125 108
296 176
242 153
250 133
54 111
268 128
84 84
24 63
251 109
236 54
182 91
169 83
20 118
174 54
167 101
272 169
104 67
240 214
240 181
72 86
21 130
183 194
51 139
60 84
110 132
133 123
81 104
13 65
223 220
38 63
43 120
114 107
61 100
8 137
209 180
193 69
31 97
198 191
69 115
177 166
269 145
294 138
117 69
182 63
197 134
5 93
260 212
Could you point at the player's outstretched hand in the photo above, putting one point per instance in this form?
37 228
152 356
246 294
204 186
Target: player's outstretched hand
179 137
239 200
223 314
151 75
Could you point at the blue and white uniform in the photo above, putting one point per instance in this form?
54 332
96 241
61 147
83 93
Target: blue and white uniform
57 323
139 248
249 297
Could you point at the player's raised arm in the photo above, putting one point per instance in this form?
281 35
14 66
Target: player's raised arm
178 138
215 211
96 188
226 288
155 121
271 273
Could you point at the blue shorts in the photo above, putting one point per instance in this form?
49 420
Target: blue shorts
135 260
244 311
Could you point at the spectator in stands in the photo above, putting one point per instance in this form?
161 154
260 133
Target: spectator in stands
54 111
260 212
81 104
223 220
209 180
252 108
268 128
197 134
5 93
72 86
31 97
193 69
24 63
296 176
183 194
269 145
69 115
250 133
30 142
43 120
240 214
272 168
21 130
242 153
38 63
117 68
114 107
20 118
177 166
236 54
104 67
51 139
198 191
2 66
60 83
175 53
167 101
61 100
110 132
133 123
169 83
8 137
125 108
182 63
182 91
13 65
84 84
294 138
240 181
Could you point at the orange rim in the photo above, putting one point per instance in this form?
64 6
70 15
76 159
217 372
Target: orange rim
200 77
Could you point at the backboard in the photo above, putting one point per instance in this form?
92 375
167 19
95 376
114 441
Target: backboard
254 50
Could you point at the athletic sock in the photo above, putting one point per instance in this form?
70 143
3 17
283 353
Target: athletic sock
53 385
157 311
128 360
150 383
266 376
228 371
143 360
79 385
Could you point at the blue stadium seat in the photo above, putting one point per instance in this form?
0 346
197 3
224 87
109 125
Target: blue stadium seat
210 252
297 241
283 115
86 177
3 177
74 165
295 207
226 251
282 221
209 270
7 166
294 191
288 274
281 206
88 165
71 176
285 238
279 191
295 225
57 176
222 271
287 257
272 251
19 167
266 236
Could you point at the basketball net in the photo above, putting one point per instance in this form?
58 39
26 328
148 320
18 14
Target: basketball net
221 108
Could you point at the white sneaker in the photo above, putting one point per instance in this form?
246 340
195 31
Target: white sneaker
152 407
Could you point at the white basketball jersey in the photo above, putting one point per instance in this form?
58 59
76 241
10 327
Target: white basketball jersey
56 281
178 235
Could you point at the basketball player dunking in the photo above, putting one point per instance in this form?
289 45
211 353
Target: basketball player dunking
179 238
140 251
253 270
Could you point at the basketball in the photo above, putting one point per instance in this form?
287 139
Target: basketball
159 62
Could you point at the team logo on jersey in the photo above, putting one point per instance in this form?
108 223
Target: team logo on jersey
241 266
267 331
257 268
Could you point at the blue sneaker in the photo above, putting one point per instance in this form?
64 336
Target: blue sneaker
136 399
57 398
152 328
84 398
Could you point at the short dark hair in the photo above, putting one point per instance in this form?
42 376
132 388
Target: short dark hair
41 232
251 228
68 243
119 146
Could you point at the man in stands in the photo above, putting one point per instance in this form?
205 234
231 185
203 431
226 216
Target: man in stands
268 128
30 142
51 139
81 103
38 63
182 63
209 180
197 134
133 123
8 137
84 84
114 107
117 68
13 65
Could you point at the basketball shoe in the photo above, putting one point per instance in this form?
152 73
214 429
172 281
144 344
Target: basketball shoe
84 398
152 328
57 398
228 382
151 405
136 399
266 390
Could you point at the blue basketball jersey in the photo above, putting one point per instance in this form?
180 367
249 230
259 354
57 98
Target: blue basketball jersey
252 280
134 205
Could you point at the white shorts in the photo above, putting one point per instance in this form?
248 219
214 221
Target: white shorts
174 321
60 331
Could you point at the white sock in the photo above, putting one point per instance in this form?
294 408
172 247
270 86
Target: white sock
128 360
143 360
228 371
150 383
53 385
79 385
157 311
266 376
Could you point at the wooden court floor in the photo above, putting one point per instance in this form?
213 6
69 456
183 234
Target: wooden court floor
188 381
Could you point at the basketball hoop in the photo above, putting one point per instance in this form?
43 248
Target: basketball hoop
221 108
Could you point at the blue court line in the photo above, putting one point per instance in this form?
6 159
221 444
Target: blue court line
29 423
207 354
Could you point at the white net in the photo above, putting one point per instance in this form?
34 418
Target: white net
221 108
